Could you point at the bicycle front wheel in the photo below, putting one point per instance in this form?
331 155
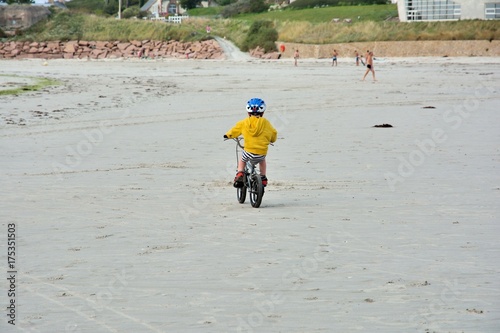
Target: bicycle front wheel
256 191
241 194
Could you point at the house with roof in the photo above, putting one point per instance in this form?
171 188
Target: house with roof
161 8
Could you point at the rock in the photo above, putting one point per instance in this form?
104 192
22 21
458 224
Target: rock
123 46
53 45
136 43
101 45
69 48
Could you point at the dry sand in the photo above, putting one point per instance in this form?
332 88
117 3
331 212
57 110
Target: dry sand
118 183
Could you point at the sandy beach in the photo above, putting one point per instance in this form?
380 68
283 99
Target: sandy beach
117 188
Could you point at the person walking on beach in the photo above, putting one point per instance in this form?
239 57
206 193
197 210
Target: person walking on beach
357 57
334 58
369 66
258 133
296 56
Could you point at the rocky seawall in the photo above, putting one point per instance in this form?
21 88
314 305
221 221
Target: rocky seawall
208 49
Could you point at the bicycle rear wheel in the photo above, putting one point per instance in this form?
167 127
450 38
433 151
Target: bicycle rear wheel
256 191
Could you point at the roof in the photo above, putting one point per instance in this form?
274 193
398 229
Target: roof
148 5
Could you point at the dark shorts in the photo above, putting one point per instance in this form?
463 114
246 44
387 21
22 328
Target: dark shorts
369 66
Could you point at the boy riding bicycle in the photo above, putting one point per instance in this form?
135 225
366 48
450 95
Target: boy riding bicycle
258 133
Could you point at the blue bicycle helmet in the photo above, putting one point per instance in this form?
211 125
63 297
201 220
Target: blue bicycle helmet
256 106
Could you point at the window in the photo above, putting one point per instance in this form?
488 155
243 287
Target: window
432 10
492 11
172 8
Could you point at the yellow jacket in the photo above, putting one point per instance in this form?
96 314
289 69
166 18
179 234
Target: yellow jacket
257 133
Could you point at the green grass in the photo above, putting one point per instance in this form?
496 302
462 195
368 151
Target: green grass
73 26
39 83
369 31
87 6
326 14
209 12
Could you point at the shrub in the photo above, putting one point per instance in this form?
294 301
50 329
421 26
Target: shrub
188 4
244 6
226 2
131 12
143 14
111 8
65 26
263 34
300 4
2 34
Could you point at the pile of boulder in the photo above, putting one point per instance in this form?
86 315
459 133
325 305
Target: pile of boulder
259 52
208 49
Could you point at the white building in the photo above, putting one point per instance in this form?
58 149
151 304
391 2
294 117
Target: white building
442 10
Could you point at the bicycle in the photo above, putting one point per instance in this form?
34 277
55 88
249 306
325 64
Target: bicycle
252 181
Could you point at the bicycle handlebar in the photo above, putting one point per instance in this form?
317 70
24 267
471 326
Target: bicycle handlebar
238 141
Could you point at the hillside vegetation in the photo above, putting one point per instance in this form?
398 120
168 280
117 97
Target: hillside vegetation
311 26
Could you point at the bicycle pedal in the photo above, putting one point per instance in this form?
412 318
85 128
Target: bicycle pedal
238 184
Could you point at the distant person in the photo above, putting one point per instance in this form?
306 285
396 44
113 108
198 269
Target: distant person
296 56
142 53
369 66
356 54
334 58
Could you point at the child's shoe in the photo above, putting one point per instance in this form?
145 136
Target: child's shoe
264 180
238 180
